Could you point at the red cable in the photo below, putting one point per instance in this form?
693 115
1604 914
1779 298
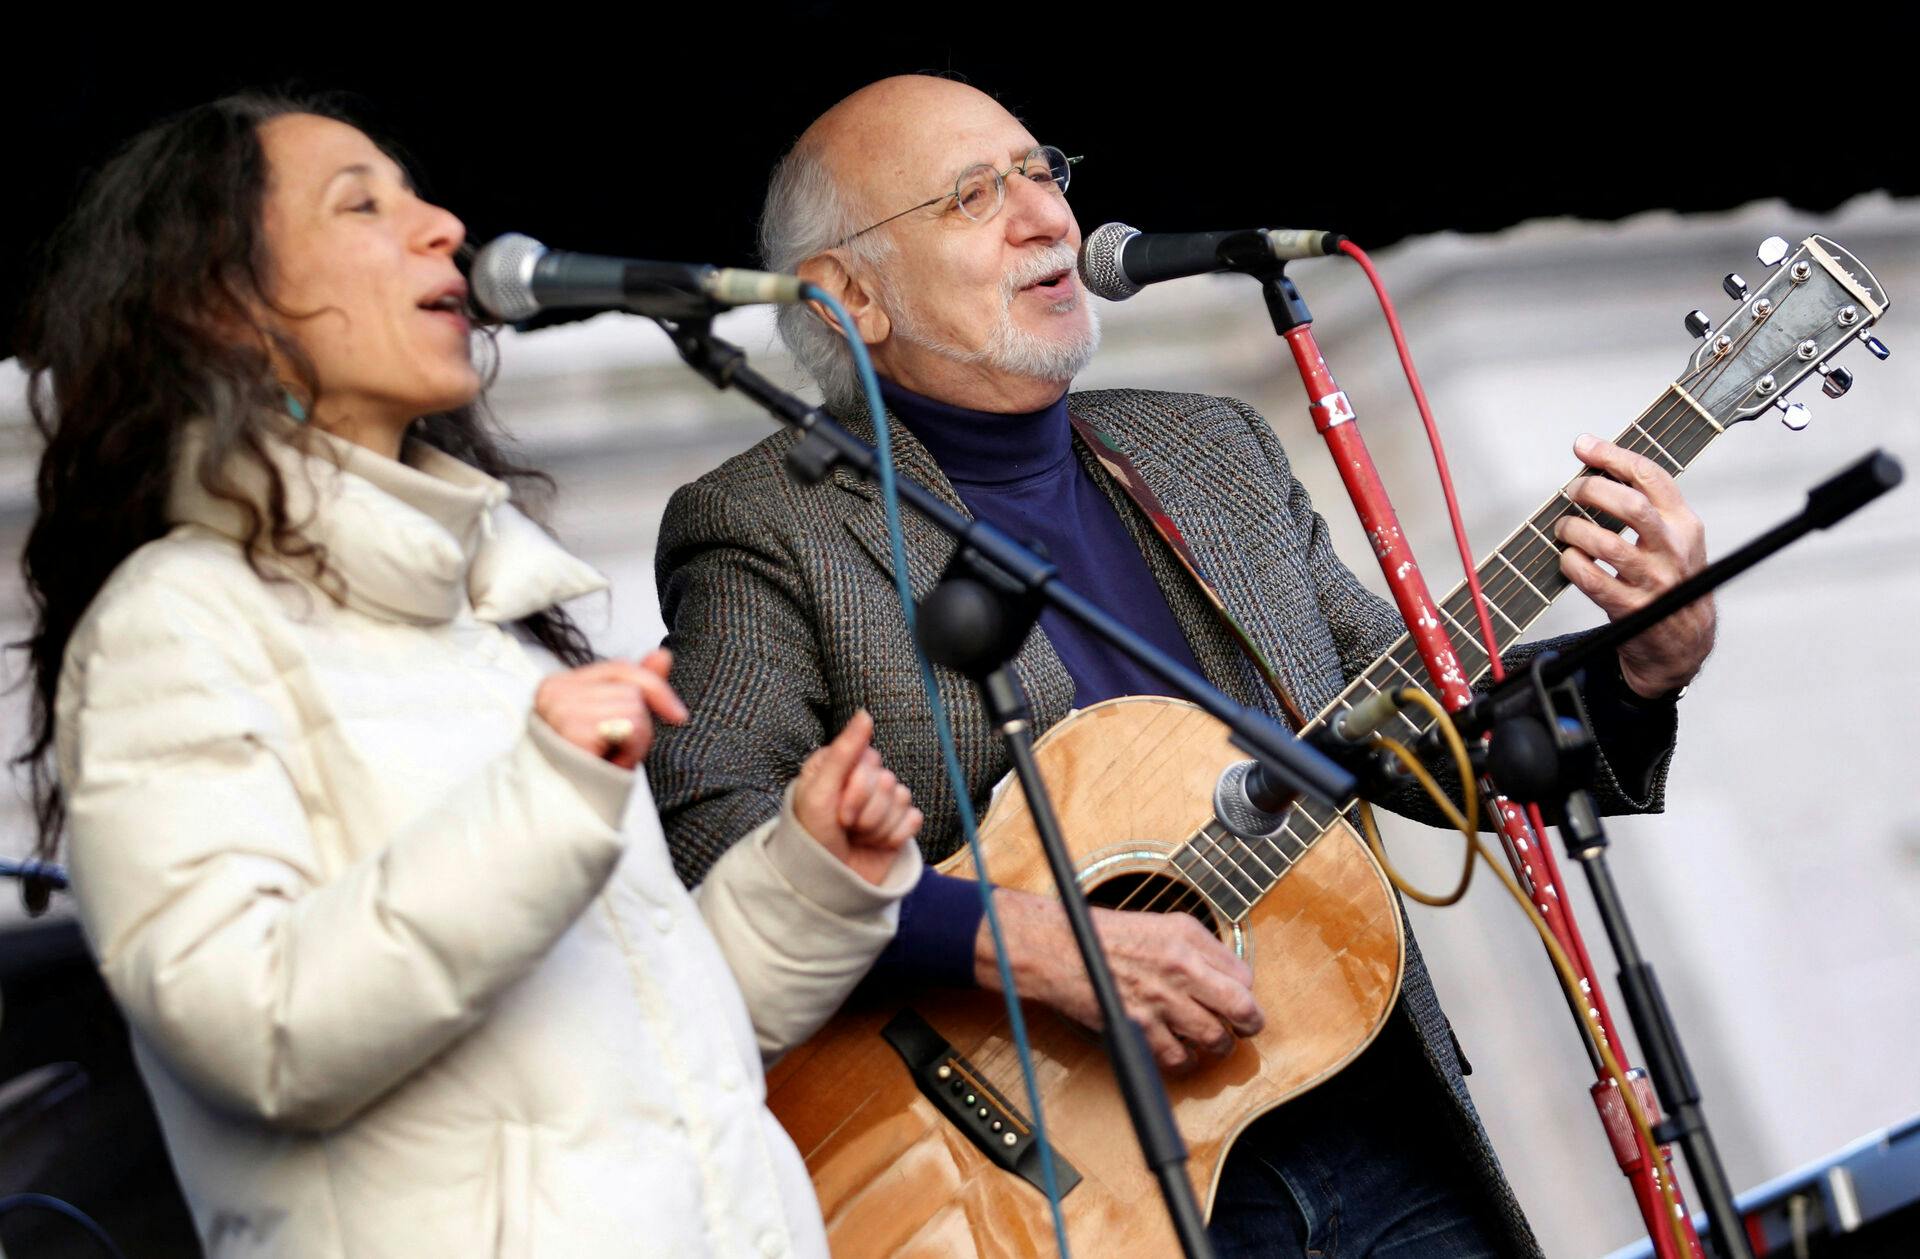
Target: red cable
1439 455
1663 1244
1575 945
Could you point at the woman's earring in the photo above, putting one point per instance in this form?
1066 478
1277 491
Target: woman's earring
295 408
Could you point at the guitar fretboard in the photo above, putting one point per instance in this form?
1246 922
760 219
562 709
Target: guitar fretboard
1520 579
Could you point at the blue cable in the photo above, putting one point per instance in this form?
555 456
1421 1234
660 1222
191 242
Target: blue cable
963 799
44 1202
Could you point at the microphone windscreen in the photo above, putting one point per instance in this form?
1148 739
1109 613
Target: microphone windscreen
1248 802
1100 268
503 277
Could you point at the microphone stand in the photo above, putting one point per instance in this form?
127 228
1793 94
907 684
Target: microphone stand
974 622
1546 754
1004 585
1334 418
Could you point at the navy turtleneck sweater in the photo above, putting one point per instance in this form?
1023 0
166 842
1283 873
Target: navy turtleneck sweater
1021 473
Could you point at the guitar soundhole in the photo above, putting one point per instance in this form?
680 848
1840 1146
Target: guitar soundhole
1155 894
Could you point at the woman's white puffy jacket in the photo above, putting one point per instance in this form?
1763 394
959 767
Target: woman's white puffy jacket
408 975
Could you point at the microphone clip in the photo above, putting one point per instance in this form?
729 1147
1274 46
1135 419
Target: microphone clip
1379 774
39 880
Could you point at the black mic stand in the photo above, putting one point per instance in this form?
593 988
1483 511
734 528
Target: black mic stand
974 622
1545 753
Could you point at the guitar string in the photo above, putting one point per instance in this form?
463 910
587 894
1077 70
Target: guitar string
1221 862
1650 428
1214 853
1658 438
1660 443
1652 435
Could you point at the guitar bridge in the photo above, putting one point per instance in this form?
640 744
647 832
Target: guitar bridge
959 1092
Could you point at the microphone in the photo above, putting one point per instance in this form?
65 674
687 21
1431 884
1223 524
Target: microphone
1117 261
1353 725
1252 802
516 277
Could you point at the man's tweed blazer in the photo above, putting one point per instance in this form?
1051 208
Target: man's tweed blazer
783 620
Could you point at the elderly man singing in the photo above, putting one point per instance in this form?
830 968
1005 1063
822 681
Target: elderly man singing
943 227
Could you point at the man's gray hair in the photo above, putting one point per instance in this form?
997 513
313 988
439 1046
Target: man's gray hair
806 214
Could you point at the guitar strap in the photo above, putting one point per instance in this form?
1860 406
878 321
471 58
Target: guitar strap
1120 467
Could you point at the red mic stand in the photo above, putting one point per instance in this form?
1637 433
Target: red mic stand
1533 860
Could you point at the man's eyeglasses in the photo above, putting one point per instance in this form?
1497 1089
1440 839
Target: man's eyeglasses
981 190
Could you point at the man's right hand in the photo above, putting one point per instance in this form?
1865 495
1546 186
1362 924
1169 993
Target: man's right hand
1190 993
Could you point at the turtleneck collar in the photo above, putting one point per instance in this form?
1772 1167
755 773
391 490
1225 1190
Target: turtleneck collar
984 447
412 539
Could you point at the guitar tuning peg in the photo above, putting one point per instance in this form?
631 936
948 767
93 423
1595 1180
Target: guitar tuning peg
1773 251
1735 286
1795 416
1698 323
1875 346
1839 380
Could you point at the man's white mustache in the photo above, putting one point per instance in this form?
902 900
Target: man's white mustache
1050 259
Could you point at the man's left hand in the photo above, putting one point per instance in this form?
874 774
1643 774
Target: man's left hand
1669 545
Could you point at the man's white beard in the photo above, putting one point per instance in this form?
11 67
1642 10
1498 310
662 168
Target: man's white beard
1011 349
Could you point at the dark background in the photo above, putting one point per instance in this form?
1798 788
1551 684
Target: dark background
637 138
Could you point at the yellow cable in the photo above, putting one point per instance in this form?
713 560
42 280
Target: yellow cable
1663 1172
1562 965
1467 823
1469 785
1401 881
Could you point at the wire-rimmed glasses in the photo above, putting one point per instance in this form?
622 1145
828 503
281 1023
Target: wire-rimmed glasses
981 189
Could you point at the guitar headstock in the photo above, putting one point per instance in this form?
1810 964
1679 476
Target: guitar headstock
1818 299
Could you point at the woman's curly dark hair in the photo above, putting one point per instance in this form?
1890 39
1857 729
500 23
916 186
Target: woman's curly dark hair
163 248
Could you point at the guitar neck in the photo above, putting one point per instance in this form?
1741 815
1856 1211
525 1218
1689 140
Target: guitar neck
1522 576
1520 579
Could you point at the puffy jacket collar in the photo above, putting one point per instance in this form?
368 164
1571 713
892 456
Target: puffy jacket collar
415 539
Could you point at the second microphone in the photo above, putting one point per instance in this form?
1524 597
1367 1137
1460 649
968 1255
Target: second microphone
516 277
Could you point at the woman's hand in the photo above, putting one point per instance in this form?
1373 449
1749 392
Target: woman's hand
607 708
853 805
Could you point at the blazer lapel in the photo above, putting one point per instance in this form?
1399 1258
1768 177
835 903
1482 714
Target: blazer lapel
1209 536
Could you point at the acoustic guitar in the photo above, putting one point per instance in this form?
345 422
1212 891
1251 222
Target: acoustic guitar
912 1117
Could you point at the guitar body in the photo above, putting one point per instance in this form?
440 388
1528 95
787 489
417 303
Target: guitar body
1131 779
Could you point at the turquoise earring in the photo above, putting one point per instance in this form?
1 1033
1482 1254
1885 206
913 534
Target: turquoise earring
295 408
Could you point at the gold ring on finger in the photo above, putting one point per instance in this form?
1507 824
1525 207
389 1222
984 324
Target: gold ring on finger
615 732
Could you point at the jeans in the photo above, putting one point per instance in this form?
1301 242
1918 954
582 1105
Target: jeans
1363 1165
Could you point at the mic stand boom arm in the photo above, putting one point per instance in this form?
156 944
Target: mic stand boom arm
1845 492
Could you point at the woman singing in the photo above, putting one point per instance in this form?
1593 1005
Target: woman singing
355 822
